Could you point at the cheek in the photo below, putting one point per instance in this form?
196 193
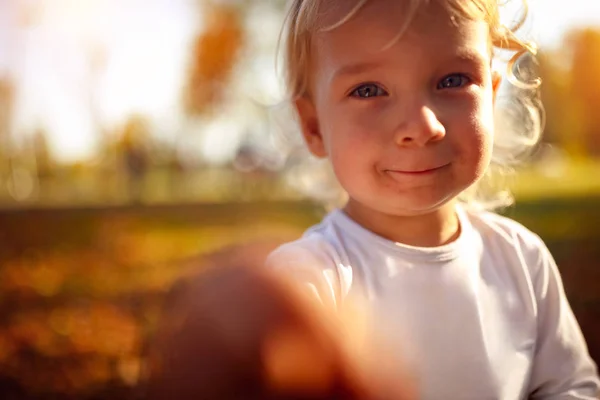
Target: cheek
353 143
354 129
481 144
480 151
484 125
472 129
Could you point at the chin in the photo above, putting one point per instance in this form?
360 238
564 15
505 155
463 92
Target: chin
421 209
410 202
422 205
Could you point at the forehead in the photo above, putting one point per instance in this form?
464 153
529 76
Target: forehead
378 27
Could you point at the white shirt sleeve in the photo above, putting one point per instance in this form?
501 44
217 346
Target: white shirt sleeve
309 268
562 367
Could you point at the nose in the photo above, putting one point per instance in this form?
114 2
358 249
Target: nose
420 128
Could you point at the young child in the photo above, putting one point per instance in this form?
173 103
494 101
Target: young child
399 96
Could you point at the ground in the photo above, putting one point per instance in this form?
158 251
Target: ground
81 289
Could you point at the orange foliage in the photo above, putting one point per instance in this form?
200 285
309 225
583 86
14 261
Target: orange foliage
76 315
571 93
214 55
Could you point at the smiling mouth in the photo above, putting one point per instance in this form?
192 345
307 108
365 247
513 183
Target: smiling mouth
416 172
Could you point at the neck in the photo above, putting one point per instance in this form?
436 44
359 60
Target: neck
432 229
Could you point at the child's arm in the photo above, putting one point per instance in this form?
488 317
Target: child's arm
562 367
235 330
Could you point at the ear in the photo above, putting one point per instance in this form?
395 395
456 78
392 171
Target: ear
496 80
309 124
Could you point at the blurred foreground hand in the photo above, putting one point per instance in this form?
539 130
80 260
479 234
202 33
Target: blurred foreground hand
236 331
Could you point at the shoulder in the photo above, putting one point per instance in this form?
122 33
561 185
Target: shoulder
311 261
324 245
317 248
519 257
506 231
508 239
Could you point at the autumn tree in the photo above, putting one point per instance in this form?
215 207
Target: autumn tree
214 55
6 105
571 92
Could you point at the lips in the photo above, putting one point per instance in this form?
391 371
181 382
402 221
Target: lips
416 171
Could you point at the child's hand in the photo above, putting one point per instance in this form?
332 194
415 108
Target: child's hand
238 332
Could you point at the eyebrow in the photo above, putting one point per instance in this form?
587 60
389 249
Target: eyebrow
354 69
469 56
462 55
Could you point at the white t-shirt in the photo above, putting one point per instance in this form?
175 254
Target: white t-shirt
484 317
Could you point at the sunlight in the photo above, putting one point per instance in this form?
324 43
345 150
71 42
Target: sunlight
85 66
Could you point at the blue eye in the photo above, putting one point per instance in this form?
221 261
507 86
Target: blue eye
368 90
453 81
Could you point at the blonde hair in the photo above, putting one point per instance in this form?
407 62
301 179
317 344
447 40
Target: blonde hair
519 119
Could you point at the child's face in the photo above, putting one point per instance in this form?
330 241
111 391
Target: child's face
409 126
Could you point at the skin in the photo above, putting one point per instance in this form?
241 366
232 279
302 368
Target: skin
407 124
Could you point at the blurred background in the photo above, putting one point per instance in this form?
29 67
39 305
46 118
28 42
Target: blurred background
137 136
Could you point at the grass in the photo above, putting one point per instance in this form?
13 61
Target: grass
558 180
